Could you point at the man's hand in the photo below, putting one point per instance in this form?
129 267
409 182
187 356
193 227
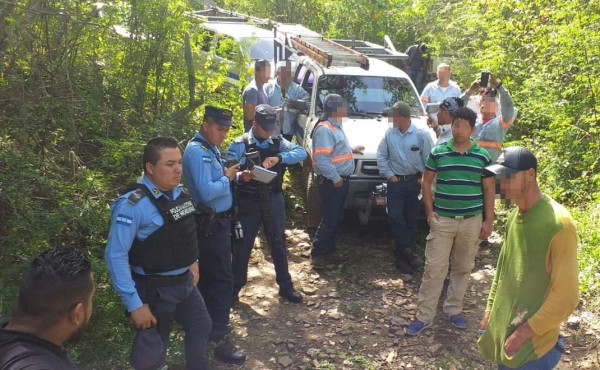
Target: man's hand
195 271
231 172
493 81
425 99
246 176
484 322
486 229
475 86
359 149
270 162
339 183
143 318
393 179
514 343
432 122
432 216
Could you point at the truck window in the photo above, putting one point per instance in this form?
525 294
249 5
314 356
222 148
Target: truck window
366 94
300 72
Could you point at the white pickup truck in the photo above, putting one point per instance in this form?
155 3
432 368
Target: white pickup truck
368 92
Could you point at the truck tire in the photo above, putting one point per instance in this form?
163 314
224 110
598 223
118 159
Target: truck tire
313 203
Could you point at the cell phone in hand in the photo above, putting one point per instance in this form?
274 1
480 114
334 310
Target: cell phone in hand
485 79
230 163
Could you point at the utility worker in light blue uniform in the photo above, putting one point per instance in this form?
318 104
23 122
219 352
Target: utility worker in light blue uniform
209 182
268 208
333 163
152 260
401 158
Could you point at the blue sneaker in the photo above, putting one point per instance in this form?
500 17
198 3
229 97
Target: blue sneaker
458 321
416 327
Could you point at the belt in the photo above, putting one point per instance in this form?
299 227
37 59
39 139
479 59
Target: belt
462 217
223 214
162 280
321 178
409 177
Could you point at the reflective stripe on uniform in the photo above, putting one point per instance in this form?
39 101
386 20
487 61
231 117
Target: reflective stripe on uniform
328 125
342 158
323 151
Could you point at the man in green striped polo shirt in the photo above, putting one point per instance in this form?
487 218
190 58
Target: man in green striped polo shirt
464 197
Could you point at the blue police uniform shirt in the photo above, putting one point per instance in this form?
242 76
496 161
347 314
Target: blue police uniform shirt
128 222
204 177
290 153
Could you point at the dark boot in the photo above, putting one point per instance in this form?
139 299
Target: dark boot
291 295
226 352
412 258
403 265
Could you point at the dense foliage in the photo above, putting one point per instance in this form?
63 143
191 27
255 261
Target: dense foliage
82 87
545 51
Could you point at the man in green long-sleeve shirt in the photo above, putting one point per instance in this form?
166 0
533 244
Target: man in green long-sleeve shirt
536 284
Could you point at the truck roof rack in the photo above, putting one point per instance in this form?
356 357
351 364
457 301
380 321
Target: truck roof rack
373 50
216 14
295 38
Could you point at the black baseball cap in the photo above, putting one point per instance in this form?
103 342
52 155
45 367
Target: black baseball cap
222 117
266 117
512 160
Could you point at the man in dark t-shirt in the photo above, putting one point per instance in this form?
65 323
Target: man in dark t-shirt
53 308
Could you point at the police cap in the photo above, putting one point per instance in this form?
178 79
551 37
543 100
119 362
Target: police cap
266 117
221 116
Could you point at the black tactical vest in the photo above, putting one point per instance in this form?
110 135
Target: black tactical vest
272 150
175 244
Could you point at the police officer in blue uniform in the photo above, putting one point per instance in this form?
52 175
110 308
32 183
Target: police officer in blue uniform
209 183
262 203
152 260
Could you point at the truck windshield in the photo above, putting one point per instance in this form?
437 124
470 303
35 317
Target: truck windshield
369 95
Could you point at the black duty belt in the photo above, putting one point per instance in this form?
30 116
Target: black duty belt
223 214
412 177
162 280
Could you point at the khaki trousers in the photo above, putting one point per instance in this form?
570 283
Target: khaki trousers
451 242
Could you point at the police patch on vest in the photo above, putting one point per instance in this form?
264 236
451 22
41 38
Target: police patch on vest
182 210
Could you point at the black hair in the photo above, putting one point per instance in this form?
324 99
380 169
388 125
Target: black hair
261 64
55 282
153 148
467 114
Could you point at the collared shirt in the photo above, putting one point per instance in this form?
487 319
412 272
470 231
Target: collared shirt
253 95
403 154
490 136
130 222
274 97
458 189
436 94
290 153
332 154
204 177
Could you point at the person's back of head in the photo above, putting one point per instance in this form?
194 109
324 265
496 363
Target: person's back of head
57 286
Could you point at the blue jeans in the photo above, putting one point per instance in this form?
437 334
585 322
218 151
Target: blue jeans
546 362
403 213
216 276
332 208
251 220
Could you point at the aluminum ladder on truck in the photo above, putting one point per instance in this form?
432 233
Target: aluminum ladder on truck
294 38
